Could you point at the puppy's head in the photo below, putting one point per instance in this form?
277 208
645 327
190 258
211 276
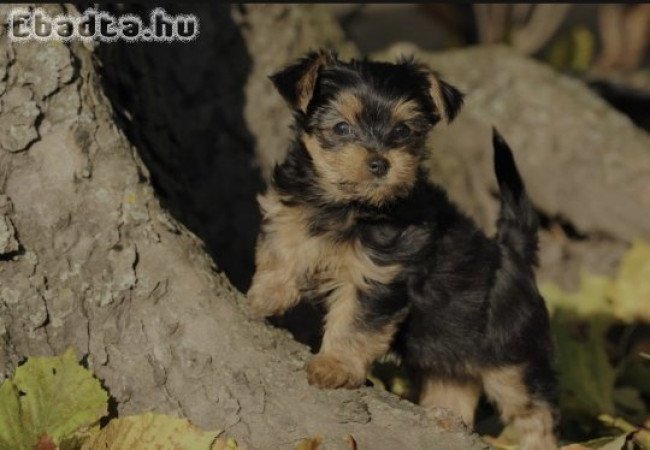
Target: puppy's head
364 123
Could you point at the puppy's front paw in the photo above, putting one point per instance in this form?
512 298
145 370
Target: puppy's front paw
258 305
328 372
270 296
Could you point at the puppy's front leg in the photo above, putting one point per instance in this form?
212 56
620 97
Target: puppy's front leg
349 347
274 288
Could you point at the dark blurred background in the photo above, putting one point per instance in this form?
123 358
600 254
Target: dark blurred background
605 44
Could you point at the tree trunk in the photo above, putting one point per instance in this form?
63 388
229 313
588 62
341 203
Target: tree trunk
90 259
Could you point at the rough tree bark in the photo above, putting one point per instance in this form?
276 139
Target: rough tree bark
91 260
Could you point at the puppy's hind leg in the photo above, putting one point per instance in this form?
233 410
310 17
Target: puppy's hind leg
523 402
458 395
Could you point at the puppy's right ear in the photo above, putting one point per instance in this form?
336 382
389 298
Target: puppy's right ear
296 82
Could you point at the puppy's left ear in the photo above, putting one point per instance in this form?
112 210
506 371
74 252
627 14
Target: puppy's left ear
296 83
447 99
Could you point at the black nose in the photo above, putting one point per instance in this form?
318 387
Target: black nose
378 166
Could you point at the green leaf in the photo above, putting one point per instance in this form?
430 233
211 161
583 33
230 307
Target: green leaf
586 375
628 399
155 431
636 373
579 321
12 434
48 396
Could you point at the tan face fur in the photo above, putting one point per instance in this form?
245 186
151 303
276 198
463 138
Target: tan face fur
343 169
387 110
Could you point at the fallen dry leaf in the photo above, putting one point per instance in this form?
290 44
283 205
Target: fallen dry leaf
310 443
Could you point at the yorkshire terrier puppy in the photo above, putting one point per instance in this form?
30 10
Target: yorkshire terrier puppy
351 221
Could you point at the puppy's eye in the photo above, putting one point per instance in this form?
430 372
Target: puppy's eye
401 131
342 129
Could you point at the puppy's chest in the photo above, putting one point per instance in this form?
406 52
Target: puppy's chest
346 252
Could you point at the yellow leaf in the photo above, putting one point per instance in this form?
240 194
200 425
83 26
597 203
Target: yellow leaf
607 443
631 289
584 42
626 298
591 298
224 444
310 443
640 435
153 431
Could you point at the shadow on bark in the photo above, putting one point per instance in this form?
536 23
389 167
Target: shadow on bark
181 105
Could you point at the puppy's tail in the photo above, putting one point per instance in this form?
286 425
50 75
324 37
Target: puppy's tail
518 222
